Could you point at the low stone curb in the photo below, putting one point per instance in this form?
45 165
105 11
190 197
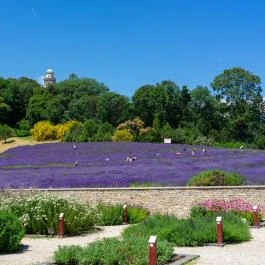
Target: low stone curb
186 258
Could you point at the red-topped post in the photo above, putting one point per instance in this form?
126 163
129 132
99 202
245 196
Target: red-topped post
219 231
256 217
152 250
61 225
124 214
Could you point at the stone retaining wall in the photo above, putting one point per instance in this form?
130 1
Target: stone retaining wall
171 200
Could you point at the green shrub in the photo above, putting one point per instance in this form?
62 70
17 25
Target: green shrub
190 232
11 232
216 177
39 214
136 214
6 132
67 255
104 132
74 134
111 251
260 141
198 211
203 140
232 145
23 128
112 214
122 136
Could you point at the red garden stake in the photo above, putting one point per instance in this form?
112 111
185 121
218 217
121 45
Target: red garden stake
152 250
256 217
61 225
219 231
124 214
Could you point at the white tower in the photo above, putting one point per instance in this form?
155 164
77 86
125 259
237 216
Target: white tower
49 78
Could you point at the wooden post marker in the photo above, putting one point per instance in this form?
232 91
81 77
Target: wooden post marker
61 225
124 215
152 250
219 231
256 217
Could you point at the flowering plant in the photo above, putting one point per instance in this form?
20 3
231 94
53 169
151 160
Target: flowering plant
39 214
236 205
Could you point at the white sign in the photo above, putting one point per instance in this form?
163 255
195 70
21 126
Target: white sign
218 219
167 140
152 240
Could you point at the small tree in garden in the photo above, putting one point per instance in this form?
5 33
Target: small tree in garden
6 132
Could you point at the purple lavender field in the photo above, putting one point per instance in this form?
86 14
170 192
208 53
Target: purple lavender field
105 165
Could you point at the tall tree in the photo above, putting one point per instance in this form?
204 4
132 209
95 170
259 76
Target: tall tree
114 108
162 100
241 90
204 110
4 111
17 95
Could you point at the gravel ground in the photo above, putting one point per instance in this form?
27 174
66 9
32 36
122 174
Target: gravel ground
247 253
41 249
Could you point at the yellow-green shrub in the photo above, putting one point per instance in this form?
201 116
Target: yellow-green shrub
122 136
45 131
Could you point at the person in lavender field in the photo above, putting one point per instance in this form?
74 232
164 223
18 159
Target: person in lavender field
203 151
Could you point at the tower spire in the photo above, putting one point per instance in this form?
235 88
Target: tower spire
49 78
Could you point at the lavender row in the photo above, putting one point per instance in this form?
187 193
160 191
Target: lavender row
105 164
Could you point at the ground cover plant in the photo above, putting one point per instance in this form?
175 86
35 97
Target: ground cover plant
105 164
39 214
216 207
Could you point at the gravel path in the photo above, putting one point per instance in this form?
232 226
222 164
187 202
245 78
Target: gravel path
41 249
248 253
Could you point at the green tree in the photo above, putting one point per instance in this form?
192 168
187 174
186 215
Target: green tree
4 111
38 106
114 108
241 91
144 103
205 110
17 95
163 100
91 128
6 132
83 108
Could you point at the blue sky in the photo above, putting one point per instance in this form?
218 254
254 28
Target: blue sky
127 44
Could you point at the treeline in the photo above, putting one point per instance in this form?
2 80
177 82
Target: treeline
231 110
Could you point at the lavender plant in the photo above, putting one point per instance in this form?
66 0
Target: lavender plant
104 164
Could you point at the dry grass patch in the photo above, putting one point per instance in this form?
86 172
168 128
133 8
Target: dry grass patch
19 141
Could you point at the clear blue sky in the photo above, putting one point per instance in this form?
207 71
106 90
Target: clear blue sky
127 44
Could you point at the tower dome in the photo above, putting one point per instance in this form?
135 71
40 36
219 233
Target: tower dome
49 71
49 78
